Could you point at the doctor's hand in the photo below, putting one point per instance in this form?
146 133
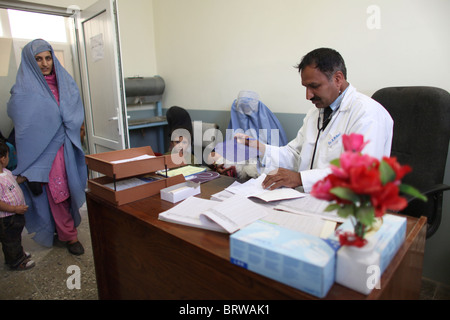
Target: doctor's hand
251 142
282 177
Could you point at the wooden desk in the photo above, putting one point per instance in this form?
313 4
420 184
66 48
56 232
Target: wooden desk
138 256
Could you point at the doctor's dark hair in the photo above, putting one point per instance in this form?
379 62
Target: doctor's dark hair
327 60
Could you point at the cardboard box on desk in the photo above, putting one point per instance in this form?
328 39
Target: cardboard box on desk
121 164
180 191
296 259
98 186
105 162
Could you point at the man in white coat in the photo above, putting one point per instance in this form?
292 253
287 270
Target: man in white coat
306 159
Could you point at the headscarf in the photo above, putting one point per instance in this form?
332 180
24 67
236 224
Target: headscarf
42 127
178 118
249 115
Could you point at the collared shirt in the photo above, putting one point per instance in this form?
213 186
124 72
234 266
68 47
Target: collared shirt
357 113
337 103
10 192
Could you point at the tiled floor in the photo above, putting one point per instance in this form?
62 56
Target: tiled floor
54 278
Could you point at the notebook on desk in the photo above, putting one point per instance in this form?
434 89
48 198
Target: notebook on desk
186 171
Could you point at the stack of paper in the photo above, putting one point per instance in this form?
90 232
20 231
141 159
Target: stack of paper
233 208
309 206
186 171
227 216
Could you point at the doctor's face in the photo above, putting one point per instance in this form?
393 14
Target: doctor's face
319 89
45 62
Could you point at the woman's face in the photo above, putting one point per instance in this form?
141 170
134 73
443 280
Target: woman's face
45 62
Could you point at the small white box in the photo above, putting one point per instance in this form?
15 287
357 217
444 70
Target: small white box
389 238
180 191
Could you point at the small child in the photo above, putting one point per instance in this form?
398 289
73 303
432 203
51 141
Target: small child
12 219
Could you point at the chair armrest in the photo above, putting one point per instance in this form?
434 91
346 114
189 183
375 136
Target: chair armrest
438 188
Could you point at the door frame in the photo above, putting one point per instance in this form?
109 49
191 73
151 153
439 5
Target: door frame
99 7
73 12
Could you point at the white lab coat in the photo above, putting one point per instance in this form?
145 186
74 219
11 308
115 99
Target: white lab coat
357 114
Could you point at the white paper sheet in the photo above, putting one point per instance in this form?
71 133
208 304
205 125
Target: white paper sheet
309 206
188 213
253 188
142 157
234 213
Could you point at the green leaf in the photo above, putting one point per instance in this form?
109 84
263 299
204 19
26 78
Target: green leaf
336 162
346 210
407 189
345 193
366 215
332 207
387 174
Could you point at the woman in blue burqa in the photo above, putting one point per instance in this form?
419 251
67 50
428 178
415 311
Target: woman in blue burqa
47 112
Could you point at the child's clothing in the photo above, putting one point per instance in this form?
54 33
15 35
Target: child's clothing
11 224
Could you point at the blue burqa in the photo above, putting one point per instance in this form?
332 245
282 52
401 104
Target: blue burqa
254 118
41 127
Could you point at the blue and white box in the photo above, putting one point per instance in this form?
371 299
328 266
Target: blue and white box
389 237
296 259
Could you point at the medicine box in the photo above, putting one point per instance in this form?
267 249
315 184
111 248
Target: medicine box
299 260
180 191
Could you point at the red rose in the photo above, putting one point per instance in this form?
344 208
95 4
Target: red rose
321 190
365 180
400 171
353 142
387 198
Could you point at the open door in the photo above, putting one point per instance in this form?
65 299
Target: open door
101 73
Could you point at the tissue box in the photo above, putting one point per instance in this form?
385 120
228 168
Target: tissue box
299 260
389 237
180 191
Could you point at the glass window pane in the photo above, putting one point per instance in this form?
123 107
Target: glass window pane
44 26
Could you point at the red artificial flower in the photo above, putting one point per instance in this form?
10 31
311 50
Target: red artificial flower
353 142
355 179
364 180
351 239
387 198
321 189
400 171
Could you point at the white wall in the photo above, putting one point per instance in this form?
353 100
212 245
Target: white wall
209 50
137 37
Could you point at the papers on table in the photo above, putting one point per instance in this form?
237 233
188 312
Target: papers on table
188 213
253 188
309 206
234 213
185 171
233 208
127 183
306 224
142 157
227 216
288 199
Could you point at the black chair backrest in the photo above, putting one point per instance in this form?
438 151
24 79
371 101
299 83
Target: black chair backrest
421 135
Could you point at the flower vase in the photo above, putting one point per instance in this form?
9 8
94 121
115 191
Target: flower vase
358 267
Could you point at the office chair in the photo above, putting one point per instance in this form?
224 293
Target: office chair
421 139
